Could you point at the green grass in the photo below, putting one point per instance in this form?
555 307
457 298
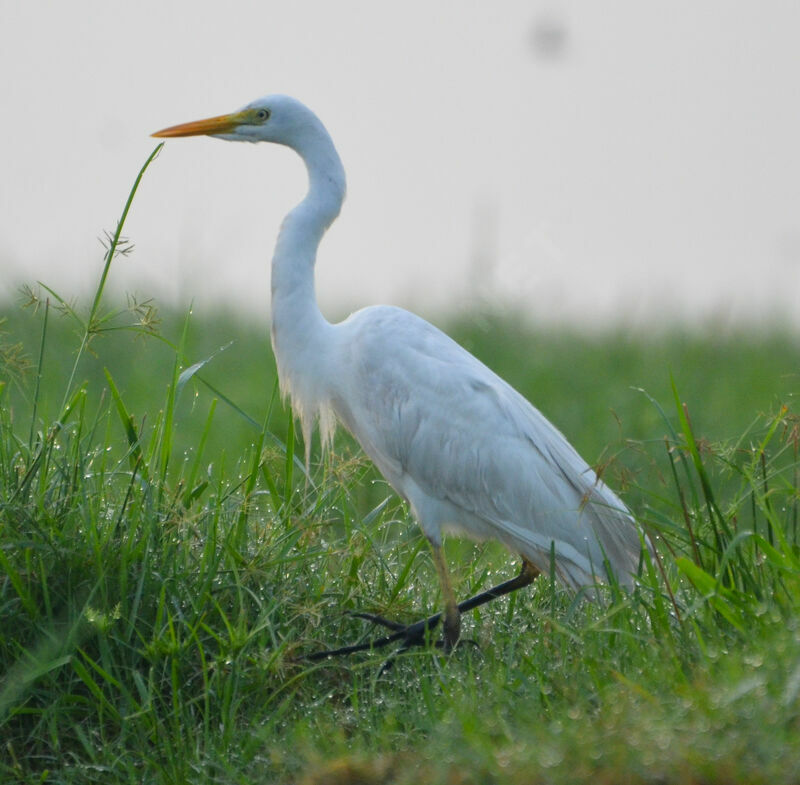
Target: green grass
165 563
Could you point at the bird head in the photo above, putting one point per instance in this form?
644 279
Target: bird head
275 118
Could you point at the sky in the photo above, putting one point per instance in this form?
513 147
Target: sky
583 162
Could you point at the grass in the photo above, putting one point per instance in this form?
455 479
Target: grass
165 562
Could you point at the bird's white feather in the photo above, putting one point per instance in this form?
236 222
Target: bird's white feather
469 453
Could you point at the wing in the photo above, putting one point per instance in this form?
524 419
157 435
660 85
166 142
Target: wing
471 454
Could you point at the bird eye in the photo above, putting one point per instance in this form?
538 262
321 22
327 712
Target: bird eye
262 115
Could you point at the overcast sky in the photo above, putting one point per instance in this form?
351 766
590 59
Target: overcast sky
583 160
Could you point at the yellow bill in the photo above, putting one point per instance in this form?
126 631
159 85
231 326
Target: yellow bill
223 124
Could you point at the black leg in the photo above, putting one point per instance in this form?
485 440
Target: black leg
414 634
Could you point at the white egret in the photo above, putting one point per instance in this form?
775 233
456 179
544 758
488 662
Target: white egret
466 451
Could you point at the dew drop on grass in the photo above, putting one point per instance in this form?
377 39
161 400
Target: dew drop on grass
754 660
664 741
550 755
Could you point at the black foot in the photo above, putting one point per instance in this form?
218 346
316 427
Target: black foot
415 634
407 635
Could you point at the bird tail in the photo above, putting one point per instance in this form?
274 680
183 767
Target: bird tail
613 557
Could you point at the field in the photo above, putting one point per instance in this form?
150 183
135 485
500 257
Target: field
166 562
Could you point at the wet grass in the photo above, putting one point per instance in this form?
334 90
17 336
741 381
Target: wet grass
165 563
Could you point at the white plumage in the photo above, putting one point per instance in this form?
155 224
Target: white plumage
467 452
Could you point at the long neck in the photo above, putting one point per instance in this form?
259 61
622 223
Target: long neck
298 328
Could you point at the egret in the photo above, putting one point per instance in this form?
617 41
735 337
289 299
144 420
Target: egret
466 451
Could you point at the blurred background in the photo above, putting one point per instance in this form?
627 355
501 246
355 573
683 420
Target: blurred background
590 163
